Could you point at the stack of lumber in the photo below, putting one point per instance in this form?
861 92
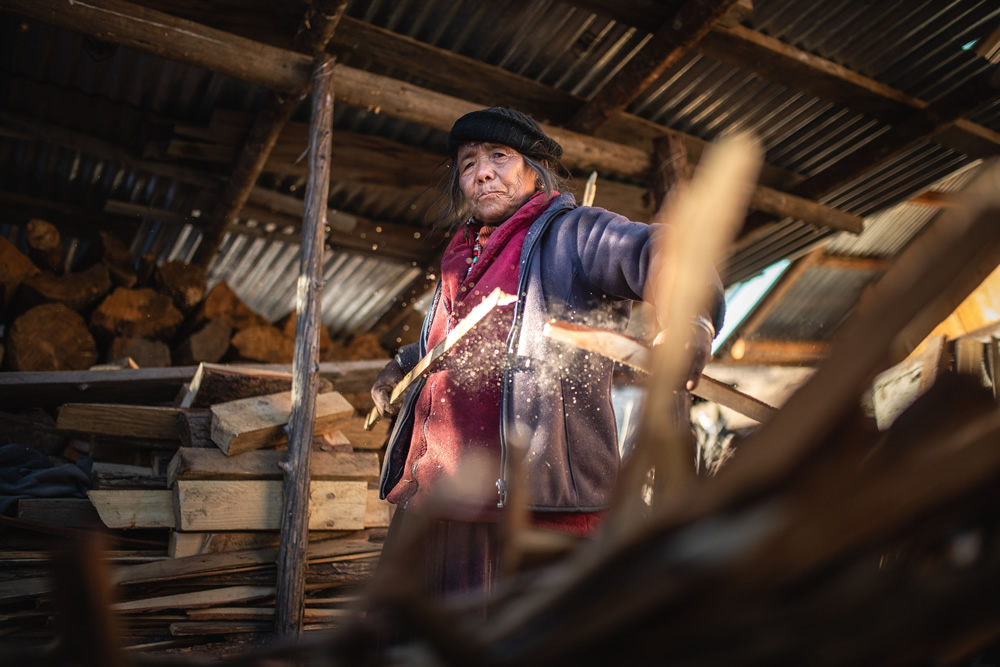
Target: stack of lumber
188 494
112 307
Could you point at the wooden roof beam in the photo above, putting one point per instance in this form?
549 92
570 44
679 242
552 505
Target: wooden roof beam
355 87
668 44
311 39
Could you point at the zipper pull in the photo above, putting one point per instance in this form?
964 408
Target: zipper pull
502 492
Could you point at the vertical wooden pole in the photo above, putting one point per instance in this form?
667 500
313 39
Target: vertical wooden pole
305 365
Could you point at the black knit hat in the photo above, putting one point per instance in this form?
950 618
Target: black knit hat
503 125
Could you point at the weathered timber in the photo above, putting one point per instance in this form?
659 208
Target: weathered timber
146 352
14 268
312 37
181 545
136 313
45 245
121 476
69 512
196 599
214 383
209 343
311 614
152 385
360 437
478 316
207 505
182 282
128 508
139 421
378 512
194 427
305 378
670 42
196 463
253 423
77 291
50 337
263 343
143 29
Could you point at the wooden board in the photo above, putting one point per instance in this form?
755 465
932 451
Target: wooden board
69 512
209 598
228 505
137 421
127 508
362 438
264 464
124 476
378 512
252 423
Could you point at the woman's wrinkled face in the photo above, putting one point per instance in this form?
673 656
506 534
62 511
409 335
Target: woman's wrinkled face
495 180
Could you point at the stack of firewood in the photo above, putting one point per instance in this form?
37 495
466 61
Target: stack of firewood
115 308
189 495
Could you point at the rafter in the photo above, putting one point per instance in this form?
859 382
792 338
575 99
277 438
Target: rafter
314 34
402 100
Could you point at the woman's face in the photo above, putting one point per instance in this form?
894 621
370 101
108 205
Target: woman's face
495 180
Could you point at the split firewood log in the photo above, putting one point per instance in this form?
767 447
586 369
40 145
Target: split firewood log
146 352
209 343
50 337
14 268
147 267
221 301
45 245
120 263
327 348
264 343
182 282
77 291
136 313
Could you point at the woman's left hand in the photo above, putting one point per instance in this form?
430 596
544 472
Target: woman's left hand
700 350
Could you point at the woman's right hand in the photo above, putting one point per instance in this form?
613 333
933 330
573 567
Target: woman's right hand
382 389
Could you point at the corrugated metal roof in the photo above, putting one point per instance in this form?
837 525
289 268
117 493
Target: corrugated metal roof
131 99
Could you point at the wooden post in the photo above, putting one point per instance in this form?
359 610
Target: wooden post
305 367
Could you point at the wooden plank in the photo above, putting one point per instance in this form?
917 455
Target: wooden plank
69 512
264 464
174 38
378 512
143 385
690 22
311 615
219 383
252 423
204 505
125 508
196 599
138 421
476 317
244 560
122 476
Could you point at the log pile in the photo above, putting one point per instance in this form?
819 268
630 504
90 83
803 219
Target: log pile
113 307
187 495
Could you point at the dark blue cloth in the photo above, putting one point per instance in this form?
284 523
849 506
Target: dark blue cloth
27 473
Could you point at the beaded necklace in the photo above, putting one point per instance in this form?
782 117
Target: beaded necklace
481 237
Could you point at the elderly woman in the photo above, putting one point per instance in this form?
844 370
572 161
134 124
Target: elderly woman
512 386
